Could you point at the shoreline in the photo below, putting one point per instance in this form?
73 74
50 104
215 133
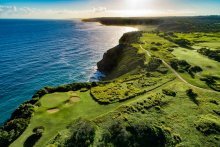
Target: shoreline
141 72
24 93
29 105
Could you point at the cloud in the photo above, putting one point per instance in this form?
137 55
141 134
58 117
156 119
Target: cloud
28 12
99 9
8 9
13 10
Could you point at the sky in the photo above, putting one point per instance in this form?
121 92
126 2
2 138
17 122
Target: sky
65 9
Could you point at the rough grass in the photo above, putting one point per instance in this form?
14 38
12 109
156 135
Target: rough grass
162 46
157 46
178 114
124 89
210 40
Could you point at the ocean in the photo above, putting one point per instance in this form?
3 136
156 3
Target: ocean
39 53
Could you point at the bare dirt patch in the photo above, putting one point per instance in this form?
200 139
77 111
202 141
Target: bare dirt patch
53 110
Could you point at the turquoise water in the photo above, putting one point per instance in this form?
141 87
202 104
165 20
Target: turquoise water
38 53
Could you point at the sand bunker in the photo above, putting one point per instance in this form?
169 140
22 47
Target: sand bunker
53 110
74 99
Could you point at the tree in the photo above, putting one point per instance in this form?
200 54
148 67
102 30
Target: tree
82 133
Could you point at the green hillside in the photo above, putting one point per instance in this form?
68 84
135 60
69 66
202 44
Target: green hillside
160 89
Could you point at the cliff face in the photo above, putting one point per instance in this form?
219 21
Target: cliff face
122 58
110 59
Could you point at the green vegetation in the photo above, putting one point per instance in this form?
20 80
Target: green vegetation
82 133
212 54
160 89
16 125
169 92
166 24
208 125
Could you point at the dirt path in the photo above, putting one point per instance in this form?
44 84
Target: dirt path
177 74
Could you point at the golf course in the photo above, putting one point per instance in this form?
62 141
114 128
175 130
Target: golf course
162 88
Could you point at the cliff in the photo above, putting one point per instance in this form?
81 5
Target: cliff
123 58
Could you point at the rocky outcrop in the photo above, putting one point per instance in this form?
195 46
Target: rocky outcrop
122 58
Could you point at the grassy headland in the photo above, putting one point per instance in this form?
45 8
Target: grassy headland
160 89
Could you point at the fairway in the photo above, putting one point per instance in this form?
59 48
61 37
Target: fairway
54 122
209 66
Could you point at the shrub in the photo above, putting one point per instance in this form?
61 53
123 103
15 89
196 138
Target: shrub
154 49
169 92
83 89
82 133
170 49
32 140
4 138
212 54
40 93
137 134
180 65
23 111
154 64
16 125
192 95
12 130
182 42
38 131
196 69
116 135
208 125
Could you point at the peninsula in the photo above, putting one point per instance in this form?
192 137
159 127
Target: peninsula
162 88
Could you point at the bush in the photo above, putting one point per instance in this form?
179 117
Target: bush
208 125
154 49
82 134
154 64
12 130
16 125
32 140
38 131
116 135
137 134
192 95
196 69
182 42
180 65
212 54
169 92
5 138
23 111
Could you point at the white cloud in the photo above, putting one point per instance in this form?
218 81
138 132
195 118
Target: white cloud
99 9
28 12
7 9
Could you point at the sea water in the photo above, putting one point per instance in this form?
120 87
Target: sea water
38 53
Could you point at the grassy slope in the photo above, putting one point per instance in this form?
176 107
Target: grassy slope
179 114
209 66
